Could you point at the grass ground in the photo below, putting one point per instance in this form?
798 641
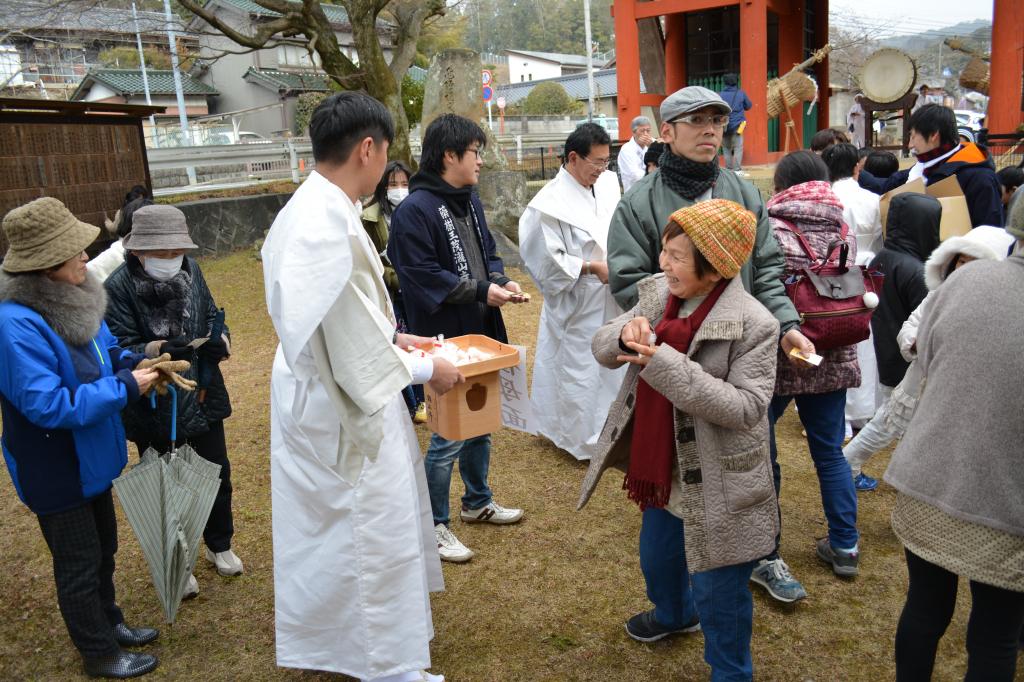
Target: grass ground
544 600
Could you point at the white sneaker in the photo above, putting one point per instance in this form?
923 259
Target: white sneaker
449 547
191 588
492 513
227 562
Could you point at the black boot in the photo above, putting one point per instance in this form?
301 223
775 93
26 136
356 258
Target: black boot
127 636
121 665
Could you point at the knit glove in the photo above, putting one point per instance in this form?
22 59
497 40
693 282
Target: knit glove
169 372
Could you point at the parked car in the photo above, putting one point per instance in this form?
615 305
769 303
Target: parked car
969 119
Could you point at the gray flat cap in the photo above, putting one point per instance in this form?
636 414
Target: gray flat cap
158 228
690 99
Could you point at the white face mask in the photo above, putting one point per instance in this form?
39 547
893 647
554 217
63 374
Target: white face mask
162 269
397 194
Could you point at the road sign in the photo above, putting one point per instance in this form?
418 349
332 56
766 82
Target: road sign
501 102
488 93
485 77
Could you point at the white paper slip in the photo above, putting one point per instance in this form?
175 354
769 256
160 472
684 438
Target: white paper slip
809 358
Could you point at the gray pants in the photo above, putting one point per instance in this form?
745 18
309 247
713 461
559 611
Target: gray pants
732 149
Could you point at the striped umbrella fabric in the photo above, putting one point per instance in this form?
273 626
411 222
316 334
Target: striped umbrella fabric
167 500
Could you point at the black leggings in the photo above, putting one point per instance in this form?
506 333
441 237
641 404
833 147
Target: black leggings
992 629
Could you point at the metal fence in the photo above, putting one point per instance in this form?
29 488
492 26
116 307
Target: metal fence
1007 150
291 158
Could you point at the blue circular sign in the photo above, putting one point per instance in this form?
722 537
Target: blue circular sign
488 93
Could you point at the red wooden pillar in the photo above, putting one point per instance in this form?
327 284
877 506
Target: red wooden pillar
675 52
754 74
791 53
821 69
1004 107
627 68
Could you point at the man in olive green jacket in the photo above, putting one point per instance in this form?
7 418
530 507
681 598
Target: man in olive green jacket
693 121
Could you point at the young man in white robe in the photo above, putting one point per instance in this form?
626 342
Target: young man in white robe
354 552
563 239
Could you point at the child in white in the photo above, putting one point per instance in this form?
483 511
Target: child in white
891 419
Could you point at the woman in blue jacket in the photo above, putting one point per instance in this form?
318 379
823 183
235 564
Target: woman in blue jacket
63 384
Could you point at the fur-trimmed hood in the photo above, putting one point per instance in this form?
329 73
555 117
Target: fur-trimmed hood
983 243
73 312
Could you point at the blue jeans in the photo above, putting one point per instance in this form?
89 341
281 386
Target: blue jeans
474 457
824 418
720 597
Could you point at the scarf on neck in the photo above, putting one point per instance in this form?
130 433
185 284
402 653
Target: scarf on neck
169 302
687 178
649 479
938 152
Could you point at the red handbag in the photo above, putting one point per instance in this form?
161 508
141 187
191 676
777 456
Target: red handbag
832 297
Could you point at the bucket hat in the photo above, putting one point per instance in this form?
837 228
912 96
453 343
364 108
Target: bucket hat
43 234
158 228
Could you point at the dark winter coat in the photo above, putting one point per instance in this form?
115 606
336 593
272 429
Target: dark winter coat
912 235
419 249
974 171
63 384
130 319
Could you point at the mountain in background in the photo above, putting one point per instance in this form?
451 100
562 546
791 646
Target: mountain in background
918 42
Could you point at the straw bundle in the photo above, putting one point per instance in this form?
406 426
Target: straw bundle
975 76
788 91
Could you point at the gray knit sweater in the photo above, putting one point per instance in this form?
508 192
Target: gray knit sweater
964 449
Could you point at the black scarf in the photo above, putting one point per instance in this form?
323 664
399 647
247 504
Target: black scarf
687 178
457 198
169 302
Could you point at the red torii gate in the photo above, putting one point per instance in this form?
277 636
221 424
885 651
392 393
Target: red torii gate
754 58
1006 91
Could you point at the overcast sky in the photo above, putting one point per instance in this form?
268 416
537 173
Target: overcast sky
911 16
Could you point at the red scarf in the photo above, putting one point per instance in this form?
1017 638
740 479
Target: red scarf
934 154
649 479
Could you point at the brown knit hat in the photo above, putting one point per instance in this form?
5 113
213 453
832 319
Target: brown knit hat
43 234
722 230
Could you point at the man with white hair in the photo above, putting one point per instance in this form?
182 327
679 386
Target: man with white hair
631 156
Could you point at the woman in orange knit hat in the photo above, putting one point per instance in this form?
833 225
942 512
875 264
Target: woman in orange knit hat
690 428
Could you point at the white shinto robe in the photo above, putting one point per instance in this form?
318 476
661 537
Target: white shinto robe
631 163
564 226
354 549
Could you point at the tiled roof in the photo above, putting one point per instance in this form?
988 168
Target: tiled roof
129 82
287 80
605 85
335 13
560 57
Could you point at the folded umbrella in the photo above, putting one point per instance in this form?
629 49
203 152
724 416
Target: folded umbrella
167 500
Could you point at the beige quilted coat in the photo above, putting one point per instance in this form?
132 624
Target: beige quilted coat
721 389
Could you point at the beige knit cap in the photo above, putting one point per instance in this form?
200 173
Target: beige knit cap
1015 221
43 234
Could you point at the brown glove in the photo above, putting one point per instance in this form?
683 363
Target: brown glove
169 373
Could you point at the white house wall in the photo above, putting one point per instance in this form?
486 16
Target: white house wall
522 68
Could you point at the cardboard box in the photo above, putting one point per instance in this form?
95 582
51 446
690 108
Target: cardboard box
472 408
956 218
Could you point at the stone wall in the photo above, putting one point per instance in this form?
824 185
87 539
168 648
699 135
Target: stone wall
178 177
220 226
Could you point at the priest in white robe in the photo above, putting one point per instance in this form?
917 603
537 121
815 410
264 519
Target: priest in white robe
354 551
563 237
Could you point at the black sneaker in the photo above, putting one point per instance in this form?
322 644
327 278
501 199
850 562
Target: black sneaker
844 564
643 628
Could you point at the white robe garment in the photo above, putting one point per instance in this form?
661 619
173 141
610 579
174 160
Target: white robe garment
564 226
354 549
631 163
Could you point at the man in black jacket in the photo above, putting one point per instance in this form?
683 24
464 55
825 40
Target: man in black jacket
453 283
912 235
940 154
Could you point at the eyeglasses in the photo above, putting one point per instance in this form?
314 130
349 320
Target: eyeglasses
598 163
703 120
476 151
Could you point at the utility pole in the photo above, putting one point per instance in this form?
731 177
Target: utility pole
590 60
182 117
145 78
